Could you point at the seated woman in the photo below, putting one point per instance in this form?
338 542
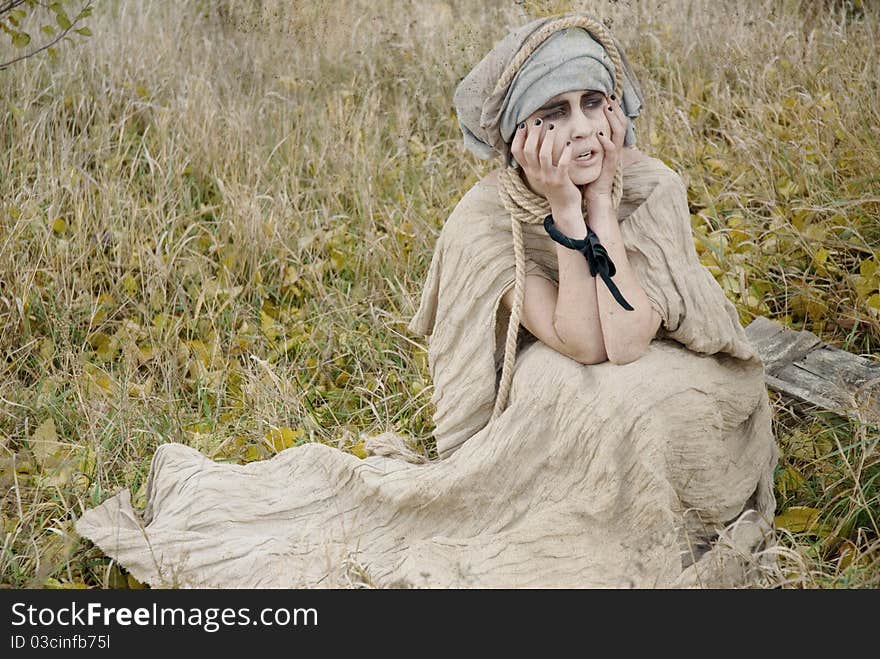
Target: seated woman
621 437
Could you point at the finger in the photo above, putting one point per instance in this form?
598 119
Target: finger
616 121
618 128
545 155
565 156
530 150
516 146
607 145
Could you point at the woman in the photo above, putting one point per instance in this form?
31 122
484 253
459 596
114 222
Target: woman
621 438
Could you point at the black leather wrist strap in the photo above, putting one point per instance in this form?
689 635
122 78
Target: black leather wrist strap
595 253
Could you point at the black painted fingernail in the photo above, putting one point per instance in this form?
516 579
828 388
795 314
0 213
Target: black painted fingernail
537 122
522 125
611 108
568 144
550 127
613 97
601 133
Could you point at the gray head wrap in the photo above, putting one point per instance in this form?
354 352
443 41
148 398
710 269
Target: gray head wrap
568 60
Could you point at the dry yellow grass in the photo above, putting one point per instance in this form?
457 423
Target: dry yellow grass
215 220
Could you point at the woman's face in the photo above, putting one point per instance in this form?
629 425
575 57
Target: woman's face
576 116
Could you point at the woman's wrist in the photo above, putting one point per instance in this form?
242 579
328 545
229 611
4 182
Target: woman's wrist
569 220
599 210
566 204
597 199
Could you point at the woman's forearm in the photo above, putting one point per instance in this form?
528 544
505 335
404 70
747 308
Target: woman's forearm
576 318
626 333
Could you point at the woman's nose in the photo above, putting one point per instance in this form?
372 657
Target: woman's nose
581 126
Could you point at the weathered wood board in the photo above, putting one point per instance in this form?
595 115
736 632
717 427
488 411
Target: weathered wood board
800 365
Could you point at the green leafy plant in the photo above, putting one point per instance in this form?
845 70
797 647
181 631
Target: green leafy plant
33 26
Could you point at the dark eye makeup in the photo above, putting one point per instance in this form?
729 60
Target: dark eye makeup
589 100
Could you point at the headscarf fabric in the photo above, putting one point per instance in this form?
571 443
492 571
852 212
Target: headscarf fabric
570 59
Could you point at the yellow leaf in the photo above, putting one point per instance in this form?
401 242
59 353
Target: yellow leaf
816 310
60 475
133 583
198 426
291 275
359 450
730 284
847 553
55 459
200 351
737 236
44 441
337 259
59 225
99 382
865 286
282 438
270 328
52 583
786 188
868 268
790 480
129 285
716 165
9 524
815 233
751 300
251 453
106 299
799 218
272 310
708 260
820 257
47 349
104 346
145 353
874 301
801 519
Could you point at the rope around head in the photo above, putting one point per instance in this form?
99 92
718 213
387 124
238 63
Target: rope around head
526 206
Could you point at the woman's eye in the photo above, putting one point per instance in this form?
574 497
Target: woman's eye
555 113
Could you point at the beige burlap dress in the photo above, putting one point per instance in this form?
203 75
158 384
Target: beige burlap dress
656 473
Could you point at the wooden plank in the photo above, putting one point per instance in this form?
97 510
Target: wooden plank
778 345
850 371
799 365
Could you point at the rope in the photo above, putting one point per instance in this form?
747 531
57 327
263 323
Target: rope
524 205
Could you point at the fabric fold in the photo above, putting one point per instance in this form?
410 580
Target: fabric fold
656 473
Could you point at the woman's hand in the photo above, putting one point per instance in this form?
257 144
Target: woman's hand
612 145
532 147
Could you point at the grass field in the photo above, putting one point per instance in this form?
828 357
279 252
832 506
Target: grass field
215 220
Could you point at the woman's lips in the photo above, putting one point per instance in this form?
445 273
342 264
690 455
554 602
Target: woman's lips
589 160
